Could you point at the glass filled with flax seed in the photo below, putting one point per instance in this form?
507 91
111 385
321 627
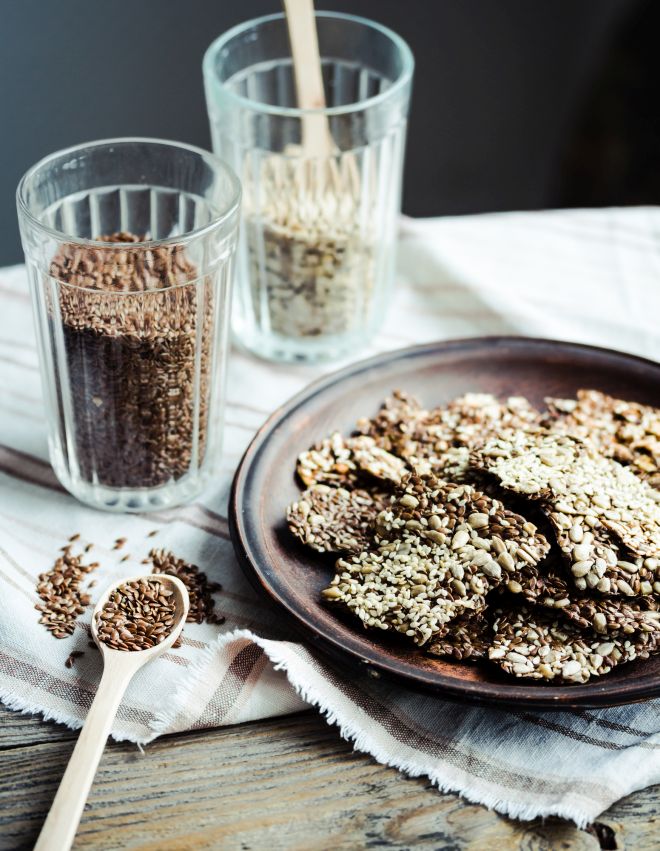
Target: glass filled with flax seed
129 246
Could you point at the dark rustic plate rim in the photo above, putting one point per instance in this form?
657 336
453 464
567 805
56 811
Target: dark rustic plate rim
599 693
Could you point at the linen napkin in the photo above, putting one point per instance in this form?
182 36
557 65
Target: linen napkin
588 276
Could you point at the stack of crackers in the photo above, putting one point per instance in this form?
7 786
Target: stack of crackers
489 530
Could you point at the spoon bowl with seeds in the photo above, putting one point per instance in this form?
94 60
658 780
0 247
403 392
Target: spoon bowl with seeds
134 622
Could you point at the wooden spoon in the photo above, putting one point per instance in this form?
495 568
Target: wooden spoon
119 666
301 23
317 168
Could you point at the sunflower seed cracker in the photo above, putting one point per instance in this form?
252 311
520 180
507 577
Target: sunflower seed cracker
611 615
376 462
542 645
438 441
348 461
334 519
406 585
328 462
601 511
395 425
496 542
475 416
626 431
603 614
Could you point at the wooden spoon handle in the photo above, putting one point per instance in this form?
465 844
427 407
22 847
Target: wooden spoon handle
310 94
59 829
305 52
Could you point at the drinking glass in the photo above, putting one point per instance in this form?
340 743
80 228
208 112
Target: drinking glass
129 246
316 255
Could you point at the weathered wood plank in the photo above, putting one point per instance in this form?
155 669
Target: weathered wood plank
18 730
291 783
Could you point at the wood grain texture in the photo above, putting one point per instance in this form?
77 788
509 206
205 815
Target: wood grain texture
280 567
290 783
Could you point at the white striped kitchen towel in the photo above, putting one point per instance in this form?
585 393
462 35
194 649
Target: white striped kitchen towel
589 276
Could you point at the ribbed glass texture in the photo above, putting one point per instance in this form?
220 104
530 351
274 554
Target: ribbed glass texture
317 249
129 246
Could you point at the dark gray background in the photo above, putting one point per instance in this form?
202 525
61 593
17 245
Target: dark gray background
517 104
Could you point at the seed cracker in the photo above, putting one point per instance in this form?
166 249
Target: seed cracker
626 431
394 428
405 585
600 510
346 462
501 544
437 441
415 572
441 548
542 645
334 520
476 416
376 462
468 636
605 615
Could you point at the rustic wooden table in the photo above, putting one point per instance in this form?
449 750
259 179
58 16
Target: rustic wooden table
291 783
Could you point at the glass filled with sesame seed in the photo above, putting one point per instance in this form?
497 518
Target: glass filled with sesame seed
129 246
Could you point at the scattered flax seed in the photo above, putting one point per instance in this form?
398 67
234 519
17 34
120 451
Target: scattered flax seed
74 537
88 547
139 614
125 558
153 533
92 583
200 588
76 654
119 543
59 589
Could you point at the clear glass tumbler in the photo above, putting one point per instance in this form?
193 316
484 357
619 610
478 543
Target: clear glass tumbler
317 248
129 246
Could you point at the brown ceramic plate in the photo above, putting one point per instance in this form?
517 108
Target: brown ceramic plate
293 577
